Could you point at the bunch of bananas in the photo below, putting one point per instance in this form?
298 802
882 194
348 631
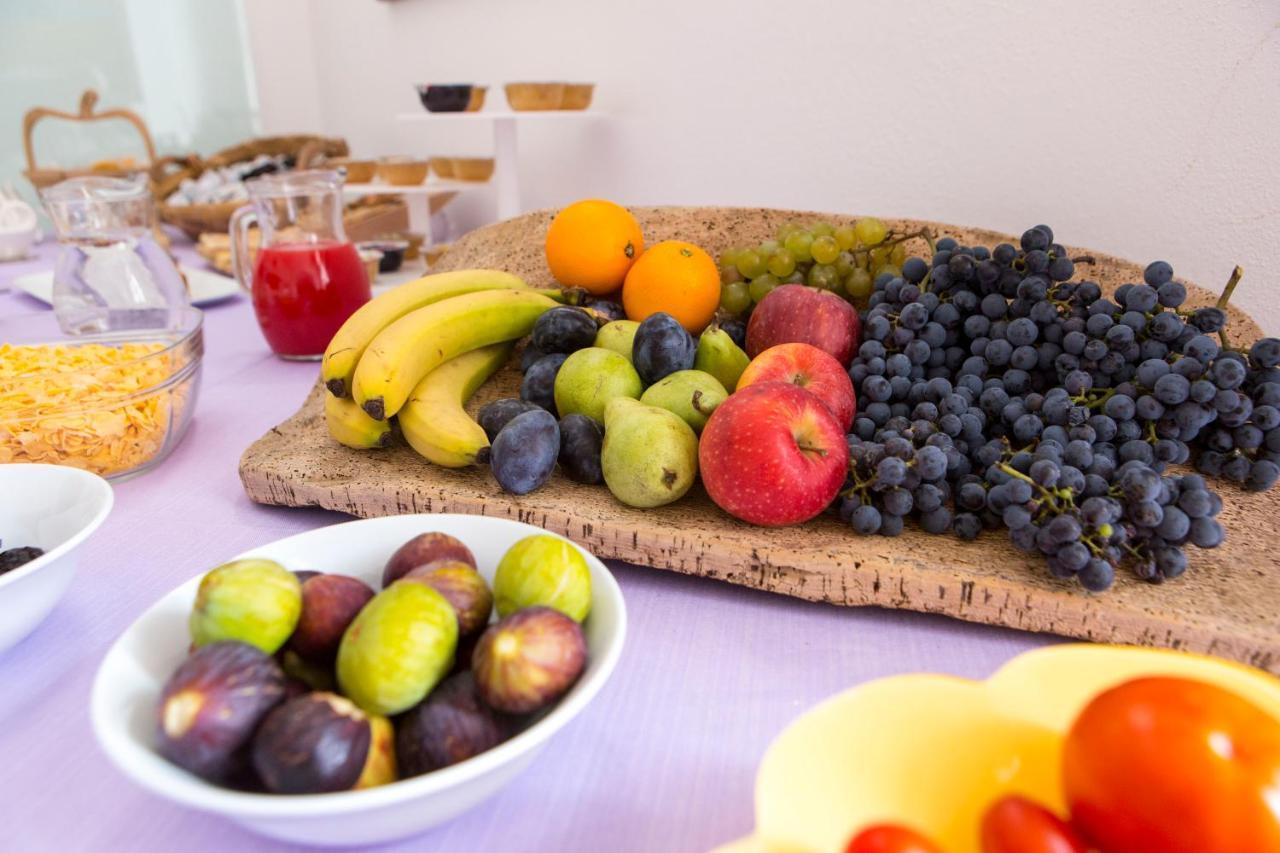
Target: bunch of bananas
418 353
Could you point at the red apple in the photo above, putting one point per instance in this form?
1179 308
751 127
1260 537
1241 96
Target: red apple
772 454
810 368
794 313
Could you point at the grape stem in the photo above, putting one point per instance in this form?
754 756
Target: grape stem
893 241
1084 259
1236 275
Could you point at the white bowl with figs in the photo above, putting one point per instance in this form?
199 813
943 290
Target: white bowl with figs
353 685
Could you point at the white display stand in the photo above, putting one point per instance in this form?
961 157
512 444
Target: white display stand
506 173
417 198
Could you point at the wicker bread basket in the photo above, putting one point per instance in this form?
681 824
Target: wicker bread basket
196 219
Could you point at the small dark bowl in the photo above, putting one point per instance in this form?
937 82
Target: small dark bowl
392 253
445 99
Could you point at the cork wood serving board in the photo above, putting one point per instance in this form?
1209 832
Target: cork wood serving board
1227 604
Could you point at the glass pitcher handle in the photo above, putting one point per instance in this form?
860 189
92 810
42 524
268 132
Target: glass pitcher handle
241 260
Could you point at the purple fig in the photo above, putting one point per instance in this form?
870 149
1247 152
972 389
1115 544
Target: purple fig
212 704
329 604
422 549
320 743
463 587
449 726
529 660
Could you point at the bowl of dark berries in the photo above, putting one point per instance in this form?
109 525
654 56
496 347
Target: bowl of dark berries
46 511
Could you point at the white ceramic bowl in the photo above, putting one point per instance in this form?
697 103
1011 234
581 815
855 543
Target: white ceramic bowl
51 507
133 673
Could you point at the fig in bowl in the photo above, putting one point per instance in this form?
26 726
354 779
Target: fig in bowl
528 660
398 648
329 604
322 742
254 601
543 571
423 549
450 725
465 590
211 706
130 687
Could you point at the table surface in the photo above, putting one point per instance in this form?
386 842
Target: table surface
663 759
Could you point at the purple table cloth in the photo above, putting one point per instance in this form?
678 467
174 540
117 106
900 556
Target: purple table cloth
663 759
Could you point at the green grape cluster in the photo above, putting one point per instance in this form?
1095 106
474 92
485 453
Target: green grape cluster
844 260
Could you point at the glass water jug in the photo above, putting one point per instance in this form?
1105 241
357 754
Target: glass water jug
111 274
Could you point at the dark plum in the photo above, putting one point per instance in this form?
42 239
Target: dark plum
539 385
529 357
212 704
608 309
737 330
449 726
422 549
661 347
494 416
320 743
564 329
580 441
524 453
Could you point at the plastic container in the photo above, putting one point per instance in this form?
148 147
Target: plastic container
115 409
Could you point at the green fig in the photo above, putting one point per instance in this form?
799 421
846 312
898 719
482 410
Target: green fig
255 601
718 355
650 455
617 336
691 394
590 378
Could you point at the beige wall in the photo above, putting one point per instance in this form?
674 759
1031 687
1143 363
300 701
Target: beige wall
1142 128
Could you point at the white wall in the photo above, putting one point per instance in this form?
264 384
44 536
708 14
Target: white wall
1144 129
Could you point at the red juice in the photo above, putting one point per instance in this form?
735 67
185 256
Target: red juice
303 292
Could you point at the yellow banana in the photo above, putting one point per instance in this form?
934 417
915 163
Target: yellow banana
343 352
351 426
434 421
404 352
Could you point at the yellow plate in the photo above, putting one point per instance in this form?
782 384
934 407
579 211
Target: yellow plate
932 751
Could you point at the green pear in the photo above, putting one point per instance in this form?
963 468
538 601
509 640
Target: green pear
650 455
691 394
618 336
590 378
718 355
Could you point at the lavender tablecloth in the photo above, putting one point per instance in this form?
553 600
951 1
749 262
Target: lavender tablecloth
663 760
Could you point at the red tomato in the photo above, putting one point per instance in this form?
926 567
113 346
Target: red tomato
1170 765
1018 825
890 838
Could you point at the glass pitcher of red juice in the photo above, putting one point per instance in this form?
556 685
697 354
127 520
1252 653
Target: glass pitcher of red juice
308 277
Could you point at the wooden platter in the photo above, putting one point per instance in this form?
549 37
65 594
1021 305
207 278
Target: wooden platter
1227 604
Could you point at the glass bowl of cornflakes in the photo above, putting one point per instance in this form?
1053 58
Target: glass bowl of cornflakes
114 404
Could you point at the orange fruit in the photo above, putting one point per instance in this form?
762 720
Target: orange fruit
592 244
675 277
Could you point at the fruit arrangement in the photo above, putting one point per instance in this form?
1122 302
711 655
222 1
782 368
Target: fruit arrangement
1159 763
977 388
306 683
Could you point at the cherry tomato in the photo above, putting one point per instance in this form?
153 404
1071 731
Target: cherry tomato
1018 825
1170 765
890 838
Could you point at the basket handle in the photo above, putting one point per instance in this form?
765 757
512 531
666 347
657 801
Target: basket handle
88 101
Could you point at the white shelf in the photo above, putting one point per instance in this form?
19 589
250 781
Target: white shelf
491 115
428 188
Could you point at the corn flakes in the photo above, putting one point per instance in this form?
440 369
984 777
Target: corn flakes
92 406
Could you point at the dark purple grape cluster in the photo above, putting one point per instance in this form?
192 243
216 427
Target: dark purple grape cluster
1057 409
